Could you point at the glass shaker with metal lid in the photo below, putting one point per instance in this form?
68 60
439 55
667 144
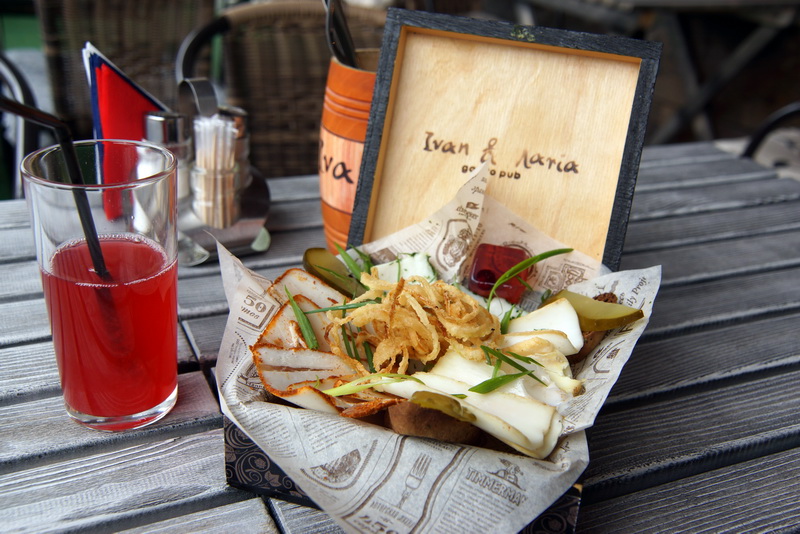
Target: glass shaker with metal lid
170 130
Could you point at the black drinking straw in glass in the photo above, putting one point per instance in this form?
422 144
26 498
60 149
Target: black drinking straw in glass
74 176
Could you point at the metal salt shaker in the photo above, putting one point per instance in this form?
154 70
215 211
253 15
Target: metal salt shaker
170 130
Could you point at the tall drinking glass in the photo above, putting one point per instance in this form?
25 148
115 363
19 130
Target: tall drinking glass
114 332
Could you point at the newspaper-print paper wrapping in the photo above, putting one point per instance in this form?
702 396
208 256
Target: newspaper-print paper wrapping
370 479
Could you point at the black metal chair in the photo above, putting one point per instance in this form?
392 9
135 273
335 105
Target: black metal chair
769 125
141 37
275 66
26 135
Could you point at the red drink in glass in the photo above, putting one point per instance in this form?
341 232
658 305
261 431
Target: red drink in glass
105 229
115 341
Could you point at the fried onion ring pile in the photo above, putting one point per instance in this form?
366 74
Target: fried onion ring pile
415 321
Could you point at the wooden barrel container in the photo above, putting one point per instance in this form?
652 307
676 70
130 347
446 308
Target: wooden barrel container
345 113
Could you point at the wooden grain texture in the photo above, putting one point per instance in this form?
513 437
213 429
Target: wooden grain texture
20 280
729 300
27 322
684 201
700 433
15 215
718 259
33 364
639 448
29 372
245 517
700 153
702 360
285 251
198 297
725 171
297 519
537 69
558 89
709 227
298 215
205 336
758 496
202 296
121 488
17 245
42 430
24 322
293 188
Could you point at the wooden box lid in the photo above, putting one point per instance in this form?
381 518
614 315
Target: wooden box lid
560 116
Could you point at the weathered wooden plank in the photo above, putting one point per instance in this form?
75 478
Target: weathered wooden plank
761 495
42 430
301 219
15 215
294 188
672 203
658 442
20 280
294 216
708 261
709 227
29 372
202 296
725 301
297 519
24 322
286 250
32 368
682 153
703 360
16 244
205 336
246 517
121 488
723 171
719 300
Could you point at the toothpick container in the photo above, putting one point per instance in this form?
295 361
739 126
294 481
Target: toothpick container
345 113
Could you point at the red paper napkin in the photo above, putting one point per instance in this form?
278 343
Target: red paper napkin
119 106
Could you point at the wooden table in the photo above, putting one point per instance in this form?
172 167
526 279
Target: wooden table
701 433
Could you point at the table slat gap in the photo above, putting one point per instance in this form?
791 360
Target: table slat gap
44 434
757 496
756 419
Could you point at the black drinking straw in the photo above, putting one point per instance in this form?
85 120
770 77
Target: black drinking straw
74 176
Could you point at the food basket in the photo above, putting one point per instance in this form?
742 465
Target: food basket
552 122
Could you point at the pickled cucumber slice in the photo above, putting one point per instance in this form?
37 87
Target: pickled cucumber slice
595 315
324 265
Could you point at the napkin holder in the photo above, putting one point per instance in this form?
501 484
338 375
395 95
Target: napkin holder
423 139
248 234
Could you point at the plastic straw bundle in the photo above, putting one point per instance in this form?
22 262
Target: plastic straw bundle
214 177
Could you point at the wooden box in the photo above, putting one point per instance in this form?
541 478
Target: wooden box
560 116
